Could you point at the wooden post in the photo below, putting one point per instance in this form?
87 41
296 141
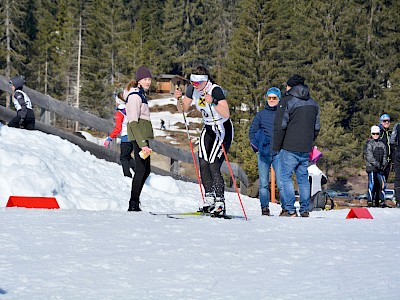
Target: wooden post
174 166
273 195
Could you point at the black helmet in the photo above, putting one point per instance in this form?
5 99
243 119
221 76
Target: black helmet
17 81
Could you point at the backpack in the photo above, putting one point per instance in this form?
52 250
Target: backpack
143 97
320 200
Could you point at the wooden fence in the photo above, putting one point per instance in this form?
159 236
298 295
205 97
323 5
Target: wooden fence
48 103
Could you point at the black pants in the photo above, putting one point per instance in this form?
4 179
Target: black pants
142 171
126 159
396 162
211 176
210 170
386 171
29 122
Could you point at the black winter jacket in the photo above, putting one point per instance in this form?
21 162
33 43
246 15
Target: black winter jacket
375 155
297 121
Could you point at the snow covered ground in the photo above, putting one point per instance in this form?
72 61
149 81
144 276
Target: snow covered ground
92 248
169 118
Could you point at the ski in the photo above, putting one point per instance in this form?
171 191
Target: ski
182 215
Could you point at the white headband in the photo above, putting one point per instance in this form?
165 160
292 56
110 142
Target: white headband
197 78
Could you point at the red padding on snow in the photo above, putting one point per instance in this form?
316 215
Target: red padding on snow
32 202
359 213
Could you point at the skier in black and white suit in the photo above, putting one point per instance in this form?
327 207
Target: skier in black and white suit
25 117
210 100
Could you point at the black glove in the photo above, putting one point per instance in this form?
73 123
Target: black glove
21 122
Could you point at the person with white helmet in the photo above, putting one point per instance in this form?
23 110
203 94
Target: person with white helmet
376 161
126 146
25 117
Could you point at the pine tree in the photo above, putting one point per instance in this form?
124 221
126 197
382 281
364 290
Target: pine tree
244 75
339 148
378 38
171 45
95 92
13 16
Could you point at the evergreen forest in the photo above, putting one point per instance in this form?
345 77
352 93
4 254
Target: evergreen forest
348 51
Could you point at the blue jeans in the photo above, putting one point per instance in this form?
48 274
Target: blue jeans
376 181
264 165
297 162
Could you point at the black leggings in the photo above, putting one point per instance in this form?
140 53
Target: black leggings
142 171
210 148
211 176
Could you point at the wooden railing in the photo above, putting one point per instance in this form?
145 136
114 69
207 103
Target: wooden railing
48 103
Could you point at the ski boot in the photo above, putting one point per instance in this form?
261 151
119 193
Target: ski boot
219 209
209 203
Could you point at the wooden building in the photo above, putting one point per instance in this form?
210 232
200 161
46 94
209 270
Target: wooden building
166 83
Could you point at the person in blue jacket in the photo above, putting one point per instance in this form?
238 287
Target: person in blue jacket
260 134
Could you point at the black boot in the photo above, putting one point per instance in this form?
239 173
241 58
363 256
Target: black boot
134 206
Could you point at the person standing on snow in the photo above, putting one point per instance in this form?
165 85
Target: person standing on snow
140 131
126 146
260 135
296 126
376 161
25 117
385 138
162 122
395 142
210 100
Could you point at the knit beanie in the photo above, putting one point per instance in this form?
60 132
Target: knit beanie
295 80
274 90
142 72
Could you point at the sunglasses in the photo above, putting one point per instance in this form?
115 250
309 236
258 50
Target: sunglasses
196 83
386 121
374 133
272 98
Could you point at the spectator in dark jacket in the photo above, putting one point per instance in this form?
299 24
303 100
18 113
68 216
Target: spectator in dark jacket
395 142
385 138
295 128
260 134
376 161
25 117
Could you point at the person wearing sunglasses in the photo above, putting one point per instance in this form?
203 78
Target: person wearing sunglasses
25 117
209 99
375 161
385 138
260 135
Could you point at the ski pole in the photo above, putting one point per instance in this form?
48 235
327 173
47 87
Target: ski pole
227 162
191 146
